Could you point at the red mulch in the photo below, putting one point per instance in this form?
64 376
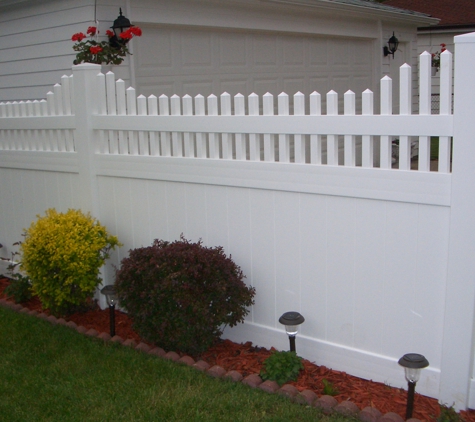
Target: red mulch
248 359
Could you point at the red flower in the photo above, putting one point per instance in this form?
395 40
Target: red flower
91 30
78 36
126 35
95 49
135 30
109 33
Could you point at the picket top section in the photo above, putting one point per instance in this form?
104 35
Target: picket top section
298 129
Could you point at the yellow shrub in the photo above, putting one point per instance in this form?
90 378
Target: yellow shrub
62 254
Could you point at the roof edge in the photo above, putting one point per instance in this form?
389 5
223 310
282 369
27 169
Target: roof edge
415 17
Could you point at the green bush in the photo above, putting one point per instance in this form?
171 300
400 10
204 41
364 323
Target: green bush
62 254
282 367
181 294
19 287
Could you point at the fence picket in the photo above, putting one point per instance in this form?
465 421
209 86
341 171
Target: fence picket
71 90
112 111
349 140
332 140
240 139
153 136
226 138
23 141
213 137
284 139
386 110
58 106
299 140
66 91
53 135
165 141
445 108
367 141
103 142
46 140
188 142
177 137
3 133
39 134
405 108
132 111
142 135
269 139
32 135
121 111
254 138
199 136
425 60
315 140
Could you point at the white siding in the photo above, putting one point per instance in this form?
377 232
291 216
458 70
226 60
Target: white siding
36 47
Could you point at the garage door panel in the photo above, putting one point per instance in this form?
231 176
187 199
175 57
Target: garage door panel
151 54
317 52
362 53
293 85
190 61
233 87
166 88
340 53
293 52
233 50
263 85
194 87
265 52
196 50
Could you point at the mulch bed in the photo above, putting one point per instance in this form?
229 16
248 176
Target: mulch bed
247 359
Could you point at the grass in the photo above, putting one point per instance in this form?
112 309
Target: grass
52 373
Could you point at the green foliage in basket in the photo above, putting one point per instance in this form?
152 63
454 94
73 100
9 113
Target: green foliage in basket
62 254
282 367
180 295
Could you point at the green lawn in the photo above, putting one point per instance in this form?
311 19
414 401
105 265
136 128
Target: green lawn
52 373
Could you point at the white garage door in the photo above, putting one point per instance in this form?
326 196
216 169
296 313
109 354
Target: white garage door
180 60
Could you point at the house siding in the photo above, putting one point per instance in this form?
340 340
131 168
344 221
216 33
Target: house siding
36 47
37 39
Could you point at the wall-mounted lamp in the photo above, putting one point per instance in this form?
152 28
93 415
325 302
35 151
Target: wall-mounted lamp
111 297
120 25
291 320
392 46
412 363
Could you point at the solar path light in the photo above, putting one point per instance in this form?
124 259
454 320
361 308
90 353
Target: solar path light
291 320
412 363
111 297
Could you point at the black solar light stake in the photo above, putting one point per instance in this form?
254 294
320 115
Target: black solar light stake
412 363
291 320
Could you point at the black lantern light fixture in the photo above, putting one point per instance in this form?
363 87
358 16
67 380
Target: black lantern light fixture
120 25
111 297
391 48
412 363
291 320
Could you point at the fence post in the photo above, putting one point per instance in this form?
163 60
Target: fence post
457 344
85 105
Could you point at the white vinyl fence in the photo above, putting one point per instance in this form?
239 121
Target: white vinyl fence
305 193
